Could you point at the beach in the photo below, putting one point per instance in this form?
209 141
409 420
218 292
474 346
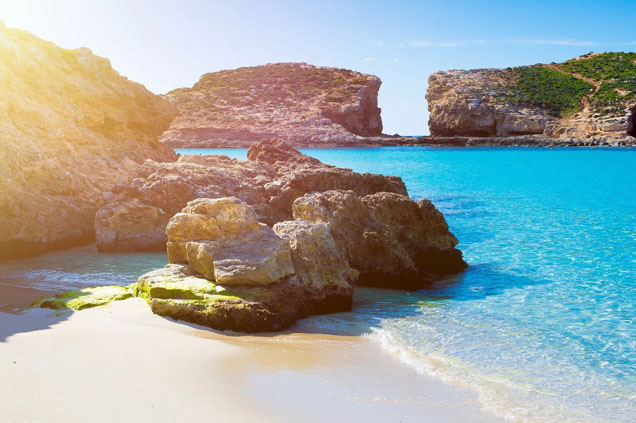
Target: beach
122 363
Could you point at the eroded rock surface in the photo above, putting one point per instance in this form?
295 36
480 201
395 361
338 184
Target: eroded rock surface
591 97
391 240
72 129
273 177
322 269
231 272
299 103
223 241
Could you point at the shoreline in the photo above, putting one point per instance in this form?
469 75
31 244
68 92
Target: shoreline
430 141
187 371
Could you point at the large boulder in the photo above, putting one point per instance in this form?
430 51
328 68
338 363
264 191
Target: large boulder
230 272
321 268
72 129
223 240
391 240
178 292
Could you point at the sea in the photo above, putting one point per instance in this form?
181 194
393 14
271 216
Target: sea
541 325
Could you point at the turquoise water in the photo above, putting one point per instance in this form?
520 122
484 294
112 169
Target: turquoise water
542 325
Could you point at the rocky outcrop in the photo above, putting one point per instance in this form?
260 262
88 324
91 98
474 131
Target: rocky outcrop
273 177
321 268
299 103
72 129
391 240
223 241
587 98
231 272
131 226
467 103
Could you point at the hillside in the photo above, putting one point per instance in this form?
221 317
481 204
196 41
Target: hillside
299 103
72 129
591 96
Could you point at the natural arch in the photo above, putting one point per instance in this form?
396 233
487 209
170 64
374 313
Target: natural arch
631 124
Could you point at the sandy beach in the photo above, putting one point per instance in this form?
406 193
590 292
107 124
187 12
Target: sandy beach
122 363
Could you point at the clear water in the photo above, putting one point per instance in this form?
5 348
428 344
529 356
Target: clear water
23 280
542 325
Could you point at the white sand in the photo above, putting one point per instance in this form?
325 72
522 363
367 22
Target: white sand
121 363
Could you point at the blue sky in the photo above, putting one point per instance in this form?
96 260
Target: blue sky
169 44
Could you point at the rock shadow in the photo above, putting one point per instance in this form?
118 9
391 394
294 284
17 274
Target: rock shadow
29 320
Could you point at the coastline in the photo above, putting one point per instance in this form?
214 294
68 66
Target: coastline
66 369
427 141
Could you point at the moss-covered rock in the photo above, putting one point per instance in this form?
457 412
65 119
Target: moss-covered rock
85 298
175 291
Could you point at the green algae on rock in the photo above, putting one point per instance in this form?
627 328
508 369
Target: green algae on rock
85 298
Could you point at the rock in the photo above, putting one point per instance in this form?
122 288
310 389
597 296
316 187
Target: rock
391 240
177 292
131 226
72 130
299 174
85 298
278 151
468 103
570 102
223 240
299 103
269 182
240 275
322 269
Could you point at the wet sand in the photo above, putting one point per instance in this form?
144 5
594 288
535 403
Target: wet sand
122 363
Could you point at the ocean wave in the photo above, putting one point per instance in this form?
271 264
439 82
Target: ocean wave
511 400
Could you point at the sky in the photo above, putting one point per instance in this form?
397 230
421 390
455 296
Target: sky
169 44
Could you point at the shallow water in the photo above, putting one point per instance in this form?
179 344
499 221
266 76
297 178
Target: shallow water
542 325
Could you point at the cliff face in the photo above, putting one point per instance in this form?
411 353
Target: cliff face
591 96
295 102
71 128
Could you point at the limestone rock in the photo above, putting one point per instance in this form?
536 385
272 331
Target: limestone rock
322 269
131 226
273 177
177 292
223 240
390 239
72 129
299 174
299 103
238 274
583 99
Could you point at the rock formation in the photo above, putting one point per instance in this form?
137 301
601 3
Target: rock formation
391 240
586 98
234 273
299 103
273 177
72 129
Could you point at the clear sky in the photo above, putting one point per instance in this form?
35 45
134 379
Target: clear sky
169 44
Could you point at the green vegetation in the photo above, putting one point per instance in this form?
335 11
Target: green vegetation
617 74
85 298
603 66
549 89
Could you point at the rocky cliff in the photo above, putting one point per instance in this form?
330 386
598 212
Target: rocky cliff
296 102
588 97
71 128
